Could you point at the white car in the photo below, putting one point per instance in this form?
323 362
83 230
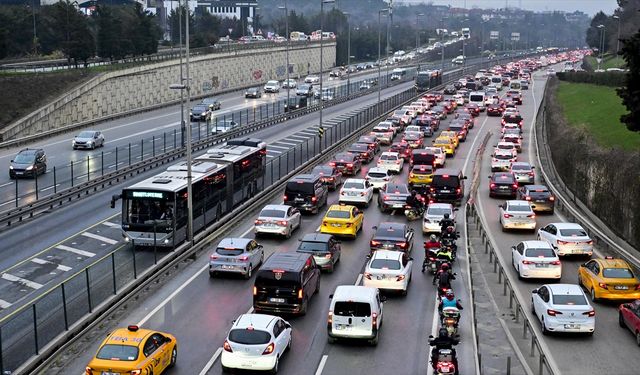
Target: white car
387 125
277 219
312 79
433 214
412 128
272 86
501 160
508 146
459 99
536 259
567 238
378 177
563 308
384 135
510 128
517 214
391 161
289 84
441 156
388 270
256 342
356 191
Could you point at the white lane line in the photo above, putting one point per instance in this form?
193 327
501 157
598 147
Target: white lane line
270 156
213 360
49 188
358 280
295 137
59 266
100 238
323 362
273 152
310 132
318 228
273 146
289 143
7 184
20 280
4 304
110 224
76 251
250 311
10 202
434 331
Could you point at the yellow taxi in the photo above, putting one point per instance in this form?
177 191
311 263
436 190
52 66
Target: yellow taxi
445 143
342 220
420 176
451 134
134 351
609 278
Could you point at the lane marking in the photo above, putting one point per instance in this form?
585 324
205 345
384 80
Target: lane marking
110 224
49 188
358 280
296 137
213 360
7 184
11 202
274 152
434 332
274 146
4 304
59 266
76 251
20 280
321 365
250 311
289 143
100 238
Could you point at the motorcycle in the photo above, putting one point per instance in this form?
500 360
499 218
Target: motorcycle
450 243
413 213
450 317
445 364
430 261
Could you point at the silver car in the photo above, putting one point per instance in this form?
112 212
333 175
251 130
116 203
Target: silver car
433 214
524 172
236 255
277 219
88 139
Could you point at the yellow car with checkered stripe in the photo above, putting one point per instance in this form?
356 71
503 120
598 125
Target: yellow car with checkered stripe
342 220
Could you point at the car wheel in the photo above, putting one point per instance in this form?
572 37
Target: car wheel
212 274
174 357
288 234
374 341
331 340
274 370
366 204
519 274
303 311
545 331
262 258
533 307
638 338
317 287
333 266
621 320
249 272
594 298
225 369
289 344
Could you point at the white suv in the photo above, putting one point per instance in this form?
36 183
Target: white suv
391 161
272 86
356 191
378 177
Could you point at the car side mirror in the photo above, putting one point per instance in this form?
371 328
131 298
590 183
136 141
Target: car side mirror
535 291
299 239
12 160
260 246
513 247
464 177
430 336
489 176
583 265
410 258
383 298
501 205
375 227
533 167
330 296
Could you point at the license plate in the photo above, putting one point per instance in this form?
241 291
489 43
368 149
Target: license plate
387 246
380 277
620 287
225 267
336 225
109 373
342 327
542 265
299 200
572 326
397 205
539 200
445 191
276 300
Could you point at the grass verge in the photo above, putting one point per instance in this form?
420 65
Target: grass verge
609 61
598 110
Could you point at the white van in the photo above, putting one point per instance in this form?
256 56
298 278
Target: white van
479 98
355 313
497 81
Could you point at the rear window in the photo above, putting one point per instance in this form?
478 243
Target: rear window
118 352
569 299
272 213
388 157
517 167
268 278
476 98
229 251
377 174
328 171
389 233
617 273
438 211
539 193
513 119
353 185
338 214
518 208
503 156
573 232
385 264
448 181
249 336
312 247
397 189
535 253
351 309
295 187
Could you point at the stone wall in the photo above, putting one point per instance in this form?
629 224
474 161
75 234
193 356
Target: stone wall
146 87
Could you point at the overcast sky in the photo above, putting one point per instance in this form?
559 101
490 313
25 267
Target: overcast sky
590 7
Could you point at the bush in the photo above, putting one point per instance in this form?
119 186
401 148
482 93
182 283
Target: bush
613 79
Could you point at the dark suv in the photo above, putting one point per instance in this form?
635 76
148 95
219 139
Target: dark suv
307 192
541 199
348 164
285 283
392 236
447 185
30 162
503 184
325 249
365 154
393 197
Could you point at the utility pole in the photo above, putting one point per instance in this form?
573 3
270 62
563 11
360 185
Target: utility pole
189 157
182 123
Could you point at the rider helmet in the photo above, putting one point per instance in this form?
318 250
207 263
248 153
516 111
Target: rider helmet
433 238
449 294
446 216
445 266
449 229
413 193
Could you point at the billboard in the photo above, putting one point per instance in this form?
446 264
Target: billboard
494 35
515 37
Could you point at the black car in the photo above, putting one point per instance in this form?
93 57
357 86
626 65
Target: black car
447 185
348 164
285 283
540 197
253 92
29 162
198 113
392 236
393 196
306 192
371 142
365 154
457 85
295 102
503 184
450 89
211 103
325 249
329 175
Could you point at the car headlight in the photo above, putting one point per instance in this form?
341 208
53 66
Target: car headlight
73 142
11 167
89 142
30 167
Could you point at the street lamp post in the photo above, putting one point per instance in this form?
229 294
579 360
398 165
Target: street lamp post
286 31
348 54
618 38
379 61
322 2
35 35
188 151
182 122
603 28
418 31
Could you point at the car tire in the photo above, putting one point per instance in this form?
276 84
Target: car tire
305 304
533 308
374 341
249 272
212 274
331 340
317 287
330 270
174 357
594 298
519 274
621 320
638 338
274 370
366 204
225 369
288 234
545 331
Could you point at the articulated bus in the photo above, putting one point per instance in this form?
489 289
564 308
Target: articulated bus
154 211
426 80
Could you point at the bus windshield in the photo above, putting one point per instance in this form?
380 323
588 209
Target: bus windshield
147 213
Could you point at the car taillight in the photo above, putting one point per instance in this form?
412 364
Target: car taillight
402 245
282 223
590 313
349 165
243 258
367 275
214 257
285 197
515 186
333 164
492 185
552 199
560 242
374 320
269 349
259 222
330 317
399 277
300 293
590 242
314 199
445 367
533 216
602 285
638 287
556 263
432 190
327 256
348 225
458 190
397 161
553 312
411 175
227 347
255 291
527 262
531 174
506 216
375 243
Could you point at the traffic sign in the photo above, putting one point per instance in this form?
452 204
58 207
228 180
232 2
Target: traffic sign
320 132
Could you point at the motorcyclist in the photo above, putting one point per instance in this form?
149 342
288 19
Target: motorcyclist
209 114
445 253
449 237
449 300
414 202
444 277
443 341
446 222
430 247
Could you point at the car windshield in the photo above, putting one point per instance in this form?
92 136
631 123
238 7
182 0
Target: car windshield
377 174
503 156
388 157
24 158
389 233
540 253
303 87
385 264
118 352
520 167
312 247
438 211
569 299
617 273
338 214
518 208
573 232
249 336
272 213
353 185
349 308
229 251
85 135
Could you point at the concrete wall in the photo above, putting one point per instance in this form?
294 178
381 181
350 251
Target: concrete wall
145 87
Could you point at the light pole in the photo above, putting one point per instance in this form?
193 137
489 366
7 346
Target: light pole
418 31
603 28
35 35
322 2
182 122
286 31
380 61
618 39
348 53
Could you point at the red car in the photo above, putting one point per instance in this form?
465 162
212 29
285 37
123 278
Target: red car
474 109
494 110
403 149
629 316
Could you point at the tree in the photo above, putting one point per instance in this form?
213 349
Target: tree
206 28
594 33
66 29
174 23
630 93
